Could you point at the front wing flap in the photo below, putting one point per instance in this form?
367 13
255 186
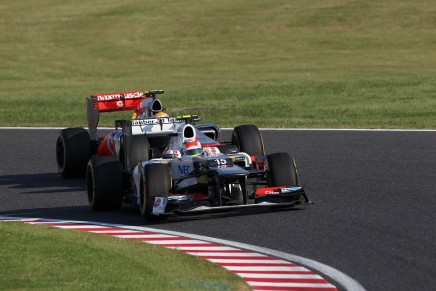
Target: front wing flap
265 198
234 208
281 194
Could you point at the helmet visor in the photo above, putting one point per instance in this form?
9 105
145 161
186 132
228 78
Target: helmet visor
194 152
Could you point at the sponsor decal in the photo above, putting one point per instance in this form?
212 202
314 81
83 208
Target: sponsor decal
109 97
184 169
177 154
159 205
290 189
277 190
178 198
153 121
268 192
157 202
118 96
220 163
141 122
133 95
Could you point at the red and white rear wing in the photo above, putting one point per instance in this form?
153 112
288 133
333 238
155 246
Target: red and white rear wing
122 101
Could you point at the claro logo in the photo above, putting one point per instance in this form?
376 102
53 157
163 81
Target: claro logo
268 192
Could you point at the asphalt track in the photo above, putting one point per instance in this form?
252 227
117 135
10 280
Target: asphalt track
374 217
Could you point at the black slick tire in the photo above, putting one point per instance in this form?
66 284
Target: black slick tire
155 181
281 170
104 183
248 139
140 150
73 151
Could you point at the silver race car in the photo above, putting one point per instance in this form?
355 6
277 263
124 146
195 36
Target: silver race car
172 166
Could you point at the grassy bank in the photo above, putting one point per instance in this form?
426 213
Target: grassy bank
39 257
273 63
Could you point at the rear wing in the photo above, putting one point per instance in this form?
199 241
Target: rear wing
123 101
112 102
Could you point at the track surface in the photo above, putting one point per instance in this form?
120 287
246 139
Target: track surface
374 217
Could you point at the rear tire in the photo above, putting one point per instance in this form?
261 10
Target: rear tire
104 183
248 139
73 151
140 150
155 181
281 170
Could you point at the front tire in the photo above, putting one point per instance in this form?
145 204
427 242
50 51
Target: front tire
73 151
104 183
155 181
248 139
281 170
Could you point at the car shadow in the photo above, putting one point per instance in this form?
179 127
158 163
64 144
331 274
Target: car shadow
52 183
128 215
41 183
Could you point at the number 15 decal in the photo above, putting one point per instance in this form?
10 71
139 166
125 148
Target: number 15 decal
221 162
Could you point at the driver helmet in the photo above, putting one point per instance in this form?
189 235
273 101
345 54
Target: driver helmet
161 114
193 148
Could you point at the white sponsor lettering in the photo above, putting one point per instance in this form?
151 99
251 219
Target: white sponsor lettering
152 121
118 96
109 97
272 192
133 95
221 161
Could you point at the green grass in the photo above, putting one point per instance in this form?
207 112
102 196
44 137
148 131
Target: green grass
40 258
274 63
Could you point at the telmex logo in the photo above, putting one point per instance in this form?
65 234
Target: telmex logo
129 95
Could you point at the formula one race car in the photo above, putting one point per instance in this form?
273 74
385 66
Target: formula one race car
169 165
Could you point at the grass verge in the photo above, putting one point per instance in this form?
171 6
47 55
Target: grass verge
42 257
276 63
